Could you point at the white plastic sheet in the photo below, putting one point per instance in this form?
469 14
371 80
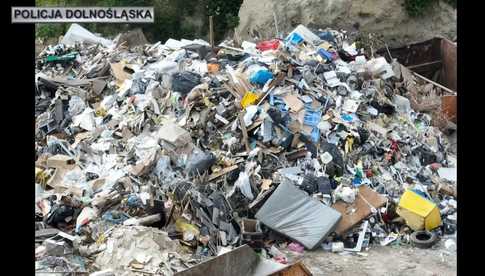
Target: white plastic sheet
85 120
244 185
86 215
76 33
76 105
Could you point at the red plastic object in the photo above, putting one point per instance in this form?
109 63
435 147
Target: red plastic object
296 247
268 45
369 173
281 259
435 166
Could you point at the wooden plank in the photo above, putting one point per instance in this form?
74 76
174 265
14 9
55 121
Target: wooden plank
425 64
296 154
46 233
272 150
361 207
255 125
211 32
244 132
435 83
296 269
222 172
232 91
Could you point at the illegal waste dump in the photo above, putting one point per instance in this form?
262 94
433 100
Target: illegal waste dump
177 158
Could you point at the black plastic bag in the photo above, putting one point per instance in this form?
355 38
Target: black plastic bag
199 162
336 166
183 82
58 214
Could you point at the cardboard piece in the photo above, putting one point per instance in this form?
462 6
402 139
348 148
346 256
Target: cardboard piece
361 207
60 161
57 180
293 102
222 172
98 86
447 190
296 269
119 73
144 166
174 134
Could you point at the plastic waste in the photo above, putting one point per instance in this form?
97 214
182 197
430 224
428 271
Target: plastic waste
295 39
402 104
115 217
189 231
327 36
183 82
249 47
59 213
301 33
133 201
261 77
345 193
268 45
77 34
337 247
380 68
296 247
251 111
325 54
85 120
147 220
249 99
199 162
244 185
61 58
86 215
163 169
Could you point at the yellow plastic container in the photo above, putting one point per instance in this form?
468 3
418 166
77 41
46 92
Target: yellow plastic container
418 212
249 98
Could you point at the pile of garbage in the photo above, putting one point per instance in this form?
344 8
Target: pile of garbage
156 158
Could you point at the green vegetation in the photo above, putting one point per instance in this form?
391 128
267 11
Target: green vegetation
173 18
451 2
417 7
420 7
225 15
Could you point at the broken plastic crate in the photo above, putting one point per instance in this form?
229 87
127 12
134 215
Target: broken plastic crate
419 212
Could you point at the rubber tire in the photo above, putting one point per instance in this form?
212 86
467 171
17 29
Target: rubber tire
423 243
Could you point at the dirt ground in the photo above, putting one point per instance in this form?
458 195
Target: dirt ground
382 261
384 17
